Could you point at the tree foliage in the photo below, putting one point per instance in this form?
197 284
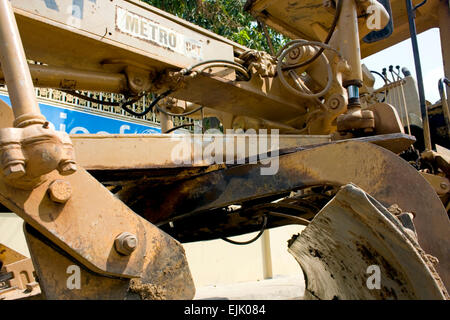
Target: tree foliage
224 17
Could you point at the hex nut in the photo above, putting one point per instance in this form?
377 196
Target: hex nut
60 191
14 171
125 243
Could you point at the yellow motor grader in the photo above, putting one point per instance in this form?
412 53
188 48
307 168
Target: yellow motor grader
306 139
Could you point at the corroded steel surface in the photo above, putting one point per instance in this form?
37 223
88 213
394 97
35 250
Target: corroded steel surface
87 224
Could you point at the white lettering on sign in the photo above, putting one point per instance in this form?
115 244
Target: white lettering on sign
146 29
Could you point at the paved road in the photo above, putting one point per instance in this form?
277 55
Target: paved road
281 288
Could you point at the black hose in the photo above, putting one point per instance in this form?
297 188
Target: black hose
251 240
93 100
150 107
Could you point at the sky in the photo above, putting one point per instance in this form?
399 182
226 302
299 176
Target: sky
401 54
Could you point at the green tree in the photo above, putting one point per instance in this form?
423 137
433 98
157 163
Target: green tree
224 17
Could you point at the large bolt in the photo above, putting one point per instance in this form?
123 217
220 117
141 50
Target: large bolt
14 171
60 191
126 243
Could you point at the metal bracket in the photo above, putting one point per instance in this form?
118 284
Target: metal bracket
87 224
62 278
353 235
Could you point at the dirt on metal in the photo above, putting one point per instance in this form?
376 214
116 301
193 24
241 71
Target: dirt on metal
147 291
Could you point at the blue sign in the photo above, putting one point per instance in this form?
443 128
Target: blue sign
73 121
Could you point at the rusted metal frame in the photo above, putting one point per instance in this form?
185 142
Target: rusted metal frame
66 214
420 86
87 225
382 174
440 184
182 22
348 36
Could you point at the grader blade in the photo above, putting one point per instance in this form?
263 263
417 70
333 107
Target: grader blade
354 248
